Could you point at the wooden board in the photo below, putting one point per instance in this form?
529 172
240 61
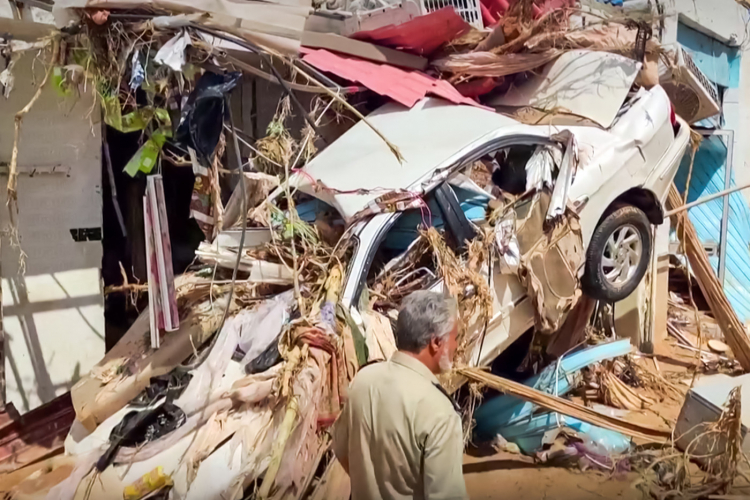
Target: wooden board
364 50
734 331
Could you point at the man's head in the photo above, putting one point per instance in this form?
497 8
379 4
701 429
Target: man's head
426 328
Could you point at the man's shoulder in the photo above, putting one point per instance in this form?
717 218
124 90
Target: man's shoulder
392 375
398 379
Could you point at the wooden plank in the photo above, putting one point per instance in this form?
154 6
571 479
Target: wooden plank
733 329
564 406
364 50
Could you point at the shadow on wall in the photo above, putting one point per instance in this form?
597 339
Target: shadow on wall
38 311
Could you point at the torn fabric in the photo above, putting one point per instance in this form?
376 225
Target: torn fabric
333 394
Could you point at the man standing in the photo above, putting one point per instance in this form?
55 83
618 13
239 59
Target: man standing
399 435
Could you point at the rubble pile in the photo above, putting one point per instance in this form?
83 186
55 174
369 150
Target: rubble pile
226 385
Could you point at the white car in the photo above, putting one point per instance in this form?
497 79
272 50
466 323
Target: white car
618 190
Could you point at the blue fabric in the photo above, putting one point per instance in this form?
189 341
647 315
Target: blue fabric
308 210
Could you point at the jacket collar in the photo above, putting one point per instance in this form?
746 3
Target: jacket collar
414 364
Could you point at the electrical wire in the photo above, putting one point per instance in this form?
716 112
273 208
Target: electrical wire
243 208
243 211
264 56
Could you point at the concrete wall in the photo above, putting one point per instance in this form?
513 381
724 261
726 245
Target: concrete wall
726 21
53 312
721 19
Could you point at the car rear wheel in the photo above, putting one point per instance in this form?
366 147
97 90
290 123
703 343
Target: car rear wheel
618 255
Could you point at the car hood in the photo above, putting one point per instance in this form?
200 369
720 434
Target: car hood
359 166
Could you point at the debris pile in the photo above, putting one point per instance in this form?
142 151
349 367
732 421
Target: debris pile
226 384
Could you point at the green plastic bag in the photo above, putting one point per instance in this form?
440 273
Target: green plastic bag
145 158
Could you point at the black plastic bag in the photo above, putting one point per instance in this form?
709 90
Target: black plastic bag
265 360
169 386
202 116
139 427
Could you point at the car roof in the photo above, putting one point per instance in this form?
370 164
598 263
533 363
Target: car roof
427 136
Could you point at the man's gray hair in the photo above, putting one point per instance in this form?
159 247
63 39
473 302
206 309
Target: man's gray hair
424 315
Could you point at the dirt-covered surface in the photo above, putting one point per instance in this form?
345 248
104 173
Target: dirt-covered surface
516 477
506 476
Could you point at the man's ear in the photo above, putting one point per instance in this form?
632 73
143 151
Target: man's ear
436 343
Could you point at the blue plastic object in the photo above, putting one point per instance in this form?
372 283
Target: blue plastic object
495 414
529 432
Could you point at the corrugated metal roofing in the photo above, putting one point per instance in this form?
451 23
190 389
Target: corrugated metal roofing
403 86
708 178
422 35
37 434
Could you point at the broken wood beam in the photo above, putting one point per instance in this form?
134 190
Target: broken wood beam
733 329
564 406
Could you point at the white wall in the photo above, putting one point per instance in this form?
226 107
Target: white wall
726 21
53 313
5 9
721 19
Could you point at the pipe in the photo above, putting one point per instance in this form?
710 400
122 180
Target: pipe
706 199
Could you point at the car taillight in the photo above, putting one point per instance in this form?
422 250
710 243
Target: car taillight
673 119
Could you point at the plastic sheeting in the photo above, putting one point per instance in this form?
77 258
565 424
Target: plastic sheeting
172 53
263 326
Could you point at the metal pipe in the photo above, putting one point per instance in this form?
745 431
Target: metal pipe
706 199
728 167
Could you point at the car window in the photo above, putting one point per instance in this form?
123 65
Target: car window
403 262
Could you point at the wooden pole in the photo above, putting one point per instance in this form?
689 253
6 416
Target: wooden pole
733 329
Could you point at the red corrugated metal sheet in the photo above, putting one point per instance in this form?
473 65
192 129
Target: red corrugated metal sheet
404 87
422 35
35 435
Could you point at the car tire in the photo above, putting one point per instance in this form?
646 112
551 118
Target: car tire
618 254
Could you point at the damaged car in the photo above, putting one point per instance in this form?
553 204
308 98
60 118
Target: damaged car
571 206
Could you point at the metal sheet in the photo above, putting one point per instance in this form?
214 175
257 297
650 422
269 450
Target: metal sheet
709 176
404 87
422 35
589 84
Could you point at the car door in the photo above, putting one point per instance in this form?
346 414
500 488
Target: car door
390 263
